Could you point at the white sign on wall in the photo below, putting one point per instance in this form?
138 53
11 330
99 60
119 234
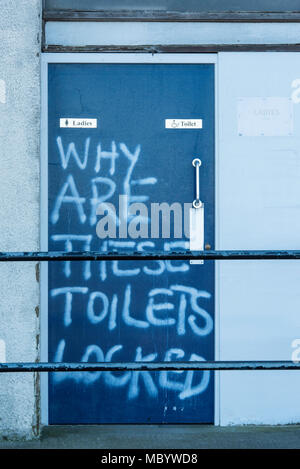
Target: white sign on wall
265 117
183 123
77 123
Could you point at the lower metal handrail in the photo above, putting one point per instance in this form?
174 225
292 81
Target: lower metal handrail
147 366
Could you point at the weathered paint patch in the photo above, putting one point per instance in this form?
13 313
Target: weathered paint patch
2 351
2 92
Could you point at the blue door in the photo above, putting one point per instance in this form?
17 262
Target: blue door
108 138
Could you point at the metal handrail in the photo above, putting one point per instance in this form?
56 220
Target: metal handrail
147 256
149 366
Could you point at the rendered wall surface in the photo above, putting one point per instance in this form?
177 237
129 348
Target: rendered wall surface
19 210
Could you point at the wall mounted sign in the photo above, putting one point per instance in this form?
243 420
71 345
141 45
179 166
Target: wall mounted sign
183 123
265 117
77 123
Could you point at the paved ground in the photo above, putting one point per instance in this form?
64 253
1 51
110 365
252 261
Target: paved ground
163 437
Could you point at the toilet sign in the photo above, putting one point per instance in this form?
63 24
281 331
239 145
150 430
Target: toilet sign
183 123
265 117
77 123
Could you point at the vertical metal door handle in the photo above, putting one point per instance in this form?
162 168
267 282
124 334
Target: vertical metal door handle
197 202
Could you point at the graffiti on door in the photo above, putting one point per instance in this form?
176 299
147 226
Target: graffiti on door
105 185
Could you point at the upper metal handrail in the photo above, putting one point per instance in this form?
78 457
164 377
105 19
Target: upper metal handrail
148 256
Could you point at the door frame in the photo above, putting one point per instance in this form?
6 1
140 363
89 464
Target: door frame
137 58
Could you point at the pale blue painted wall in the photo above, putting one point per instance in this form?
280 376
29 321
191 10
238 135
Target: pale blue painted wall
258 208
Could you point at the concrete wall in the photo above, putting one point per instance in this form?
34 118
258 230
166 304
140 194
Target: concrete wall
259 208
19 210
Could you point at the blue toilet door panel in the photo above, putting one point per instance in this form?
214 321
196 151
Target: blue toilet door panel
129 310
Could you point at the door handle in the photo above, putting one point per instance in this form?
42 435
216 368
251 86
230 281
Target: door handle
197 217
197 202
